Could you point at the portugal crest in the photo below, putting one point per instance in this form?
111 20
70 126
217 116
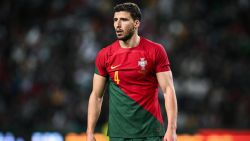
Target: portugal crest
142 63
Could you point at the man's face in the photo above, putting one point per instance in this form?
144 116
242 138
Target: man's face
124 25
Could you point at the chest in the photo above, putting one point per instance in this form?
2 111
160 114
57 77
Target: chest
131 66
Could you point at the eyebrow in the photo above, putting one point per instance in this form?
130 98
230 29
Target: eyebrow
120 18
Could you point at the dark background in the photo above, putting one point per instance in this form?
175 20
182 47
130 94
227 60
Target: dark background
48 48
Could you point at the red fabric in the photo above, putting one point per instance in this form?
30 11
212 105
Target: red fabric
136 70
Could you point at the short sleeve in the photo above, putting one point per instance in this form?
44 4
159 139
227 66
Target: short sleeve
162 62
100 66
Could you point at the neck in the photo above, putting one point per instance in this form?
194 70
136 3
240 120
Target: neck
130 43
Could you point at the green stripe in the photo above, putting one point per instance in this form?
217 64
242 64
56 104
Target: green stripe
157 138
96 70
128 119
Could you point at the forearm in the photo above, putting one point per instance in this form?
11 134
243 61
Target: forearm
171 108
94 109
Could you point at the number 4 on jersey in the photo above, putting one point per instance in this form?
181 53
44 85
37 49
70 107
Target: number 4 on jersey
116 77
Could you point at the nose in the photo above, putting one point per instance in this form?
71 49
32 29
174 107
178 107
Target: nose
118 24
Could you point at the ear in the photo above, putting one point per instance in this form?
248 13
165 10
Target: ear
137 23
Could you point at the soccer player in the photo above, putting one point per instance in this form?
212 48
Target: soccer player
133 67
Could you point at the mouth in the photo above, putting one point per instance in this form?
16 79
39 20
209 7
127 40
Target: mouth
119 31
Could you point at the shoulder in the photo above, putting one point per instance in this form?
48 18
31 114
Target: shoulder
107 49
152 45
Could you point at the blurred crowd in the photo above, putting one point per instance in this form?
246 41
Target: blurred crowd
48 49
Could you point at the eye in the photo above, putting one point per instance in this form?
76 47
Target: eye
124 19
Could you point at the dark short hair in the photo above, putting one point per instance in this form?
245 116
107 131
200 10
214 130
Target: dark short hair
130 7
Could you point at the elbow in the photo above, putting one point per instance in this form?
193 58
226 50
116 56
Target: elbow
96 97
169 91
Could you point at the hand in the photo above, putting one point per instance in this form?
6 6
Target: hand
170 135
90 137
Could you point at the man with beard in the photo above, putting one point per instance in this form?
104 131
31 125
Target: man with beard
133 67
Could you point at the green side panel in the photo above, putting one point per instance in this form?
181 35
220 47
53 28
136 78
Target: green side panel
128 119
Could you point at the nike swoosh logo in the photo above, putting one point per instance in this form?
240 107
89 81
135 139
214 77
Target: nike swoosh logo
113 67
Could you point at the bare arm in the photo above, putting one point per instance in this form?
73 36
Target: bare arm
95 104
165 80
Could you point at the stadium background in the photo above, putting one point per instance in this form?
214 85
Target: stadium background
48 47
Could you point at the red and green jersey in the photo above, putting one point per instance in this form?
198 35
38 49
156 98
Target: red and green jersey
134 110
